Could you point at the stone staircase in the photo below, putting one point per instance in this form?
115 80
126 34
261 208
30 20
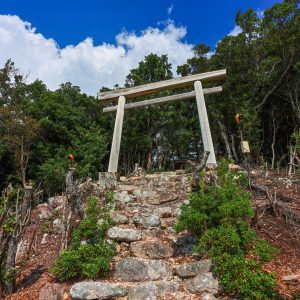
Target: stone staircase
152 261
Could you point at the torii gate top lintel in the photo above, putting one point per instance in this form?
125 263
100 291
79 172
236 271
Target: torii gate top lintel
155 87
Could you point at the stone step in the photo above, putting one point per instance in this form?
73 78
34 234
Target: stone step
96 290
151 250
121 234
152 290
138 270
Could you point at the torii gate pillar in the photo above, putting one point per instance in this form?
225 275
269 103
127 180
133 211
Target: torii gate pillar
115 147
204 125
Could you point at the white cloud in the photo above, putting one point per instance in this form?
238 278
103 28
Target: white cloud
87 65
235 31
170 9
260 13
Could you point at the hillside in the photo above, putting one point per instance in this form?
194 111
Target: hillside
152 261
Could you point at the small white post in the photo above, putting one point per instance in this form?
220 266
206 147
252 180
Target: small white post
115 147
204 125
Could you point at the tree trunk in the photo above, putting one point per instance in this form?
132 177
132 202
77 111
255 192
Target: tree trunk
236 158
226 142
291 162
273 143
149 160
10 281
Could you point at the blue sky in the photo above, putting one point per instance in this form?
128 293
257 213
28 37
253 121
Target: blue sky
69 22
96 43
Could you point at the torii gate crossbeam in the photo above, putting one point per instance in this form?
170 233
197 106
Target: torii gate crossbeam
155 87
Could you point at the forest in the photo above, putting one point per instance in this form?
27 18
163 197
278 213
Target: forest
40 128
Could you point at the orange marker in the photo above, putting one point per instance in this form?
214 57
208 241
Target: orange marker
238 118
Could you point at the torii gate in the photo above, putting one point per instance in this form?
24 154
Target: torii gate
155 87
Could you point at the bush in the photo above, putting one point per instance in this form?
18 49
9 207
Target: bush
88 254
219 215
53 173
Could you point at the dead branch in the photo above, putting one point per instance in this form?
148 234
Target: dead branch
275 86
197 169
272 198
292 277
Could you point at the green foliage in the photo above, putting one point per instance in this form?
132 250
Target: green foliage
53 173
88 254
220 217
110 198
263 71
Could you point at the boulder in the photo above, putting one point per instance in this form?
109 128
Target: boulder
165 212
123 197
58 226
147 221
126 187
107 180
56 201
44 239
207 296
124 234
131 269
147 196
152 250
194 269
51 291
96 290
185 244
168 222
152 290
21 250
119 218
203 283
44 211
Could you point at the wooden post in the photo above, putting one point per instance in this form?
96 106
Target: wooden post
115 147
204 125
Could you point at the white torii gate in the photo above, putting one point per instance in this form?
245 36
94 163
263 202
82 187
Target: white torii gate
155 87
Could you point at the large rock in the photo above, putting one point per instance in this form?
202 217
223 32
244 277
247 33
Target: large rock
147 196
185 244
126 187
96 290
194 269
44 211
124 234
58 226
52 291
207 296
131 269
151 250
119 218
147 221
21 250
165 212
107 180
123 197
203 283
56 201
168 222
152 290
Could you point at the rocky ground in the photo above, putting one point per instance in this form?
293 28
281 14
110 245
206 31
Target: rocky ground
152 261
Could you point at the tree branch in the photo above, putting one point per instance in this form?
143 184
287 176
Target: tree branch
271 91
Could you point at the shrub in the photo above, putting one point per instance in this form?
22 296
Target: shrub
53 173
219 215
88 254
